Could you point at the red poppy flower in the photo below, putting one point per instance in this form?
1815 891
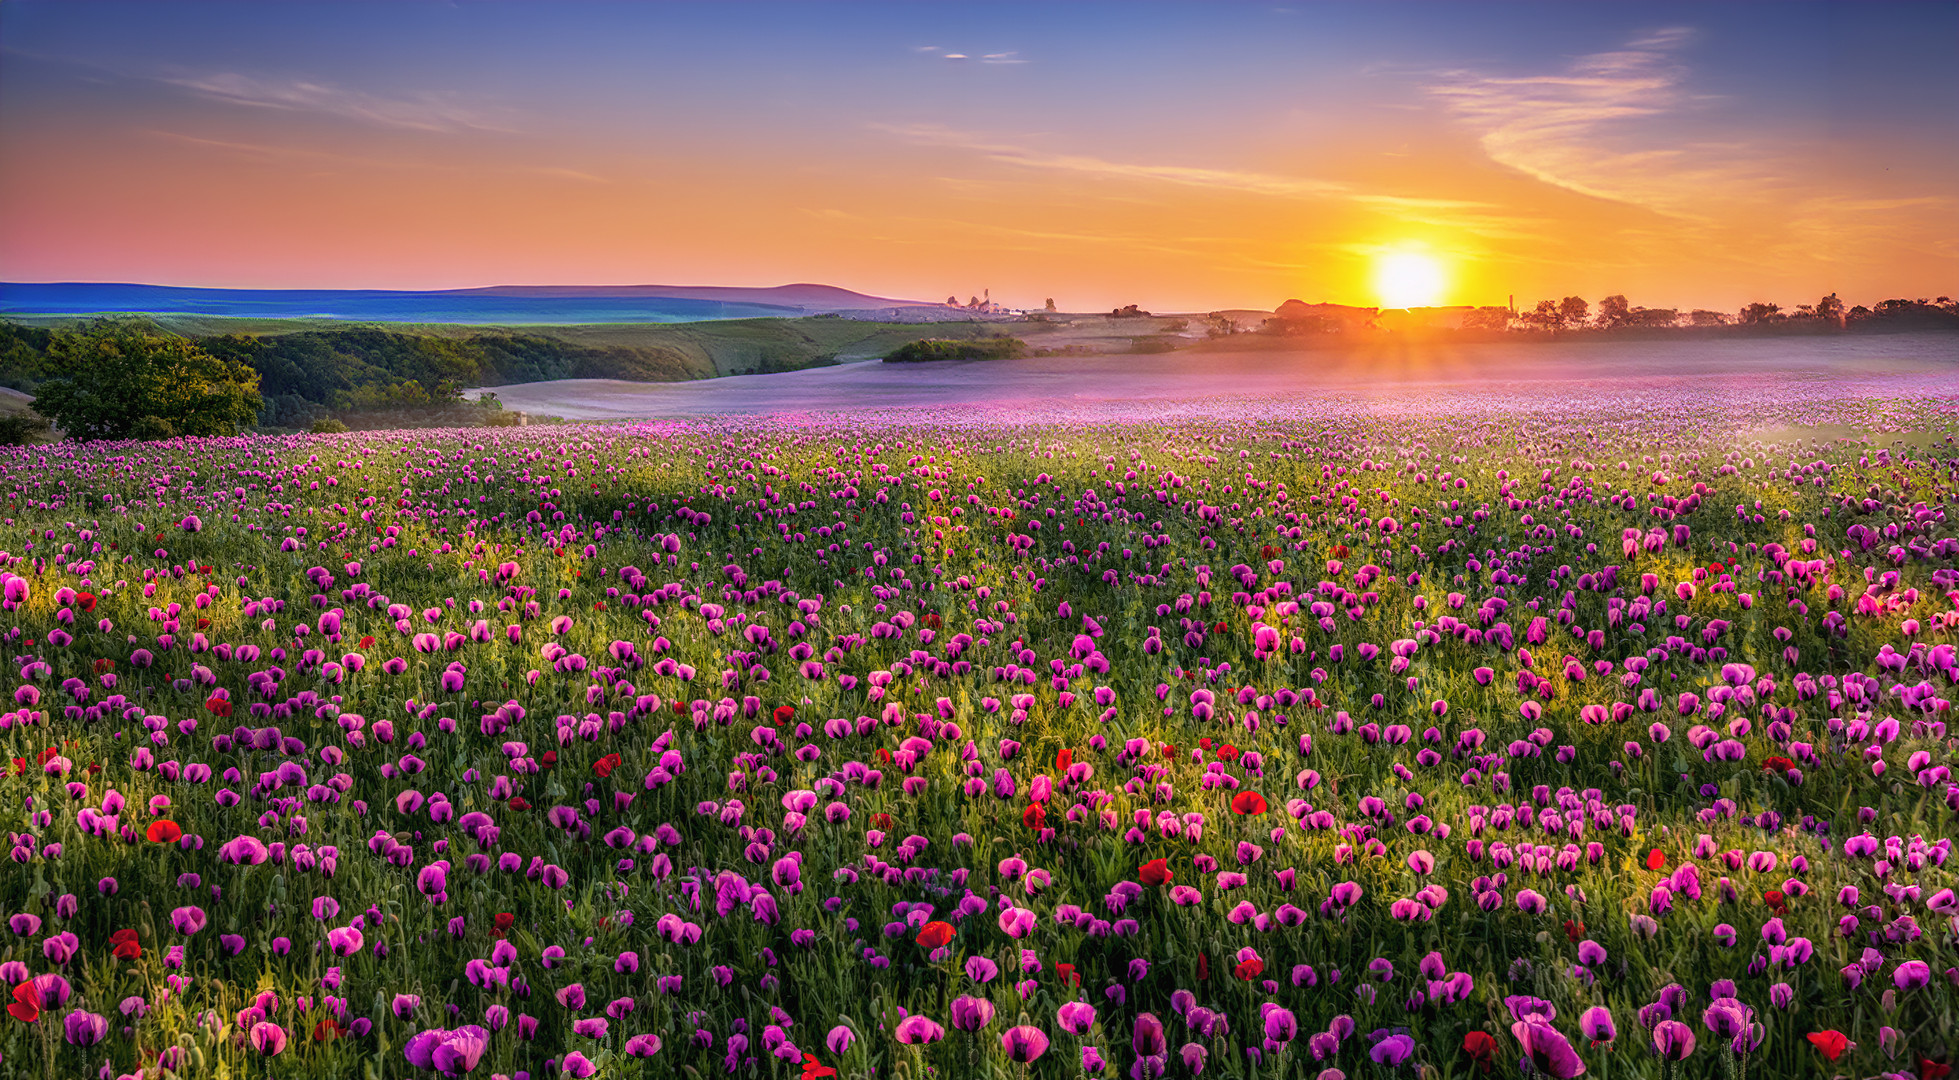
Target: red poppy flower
1204 743
519 803
27 1003
48 754
123 944
1777 900
329 1029
604 766
203 624
1227 752
1155 872
883 755
784 714
935 934
550 758
1339 551
1831 1043
502 922
104 665
1932 1070
1656 859
163 831
1220 627
1248 970
1573 930
20 766
679 708
1480 1047
1203 967
1169 751
1778 764
814 1071
1034 816
367 642
218 707
1068 975
1063 758
85 601
598 605
1248 802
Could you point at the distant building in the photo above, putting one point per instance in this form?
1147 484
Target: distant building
1426 318
1339 317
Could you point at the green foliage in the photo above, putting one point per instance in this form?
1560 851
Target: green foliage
152 429
929 349
22 429
328 426
112 373
23 354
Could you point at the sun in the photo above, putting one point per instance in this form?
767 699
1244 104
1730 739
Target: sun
1406 279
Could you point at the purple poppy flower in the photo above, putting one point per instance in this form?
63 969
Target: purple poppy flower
1024 1043
1673 1040
1076 1017
268 1039
971 1013
84 1028
1596 1024
1147 1038
1392 1050
1546 1048
916 1030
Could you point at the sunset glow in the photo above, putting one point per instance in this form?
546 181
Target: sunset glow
1406 279
1184 157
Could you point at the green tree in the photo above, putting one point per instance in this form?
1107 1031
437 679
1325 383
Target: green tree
113 373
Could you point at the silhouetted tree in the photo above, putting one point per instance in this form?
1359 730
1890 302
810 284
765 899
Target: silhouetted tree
1613 312
1572 311
1758 314
1830 308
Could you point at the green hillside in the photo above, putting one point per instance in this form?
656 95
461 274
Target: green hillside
311 369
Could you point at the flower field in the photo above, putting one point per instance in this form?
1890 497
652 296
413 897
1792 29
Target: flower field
1598 740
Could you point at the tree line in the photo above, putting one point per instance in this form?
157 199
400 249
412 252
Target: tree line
1616 313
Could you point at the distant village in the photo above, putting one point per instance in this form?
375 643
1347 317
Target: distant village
1296 318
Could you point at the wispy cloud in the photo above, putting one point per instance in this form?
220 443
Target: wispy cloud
1012 56
325 160
1628 126
1589 127
422 112
1257 183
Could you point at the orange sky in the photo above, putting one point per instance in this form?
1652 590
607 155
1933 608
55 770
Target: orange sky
1186 158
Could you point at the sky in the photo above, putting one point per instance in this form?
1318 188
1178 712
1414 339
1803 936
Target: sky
1185 157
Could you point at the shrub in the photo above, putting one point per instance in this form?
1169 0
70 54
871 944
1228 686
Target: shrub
929 349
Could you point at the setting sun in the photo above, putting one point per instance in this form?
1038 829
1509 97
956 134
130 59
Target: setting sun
1406 279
